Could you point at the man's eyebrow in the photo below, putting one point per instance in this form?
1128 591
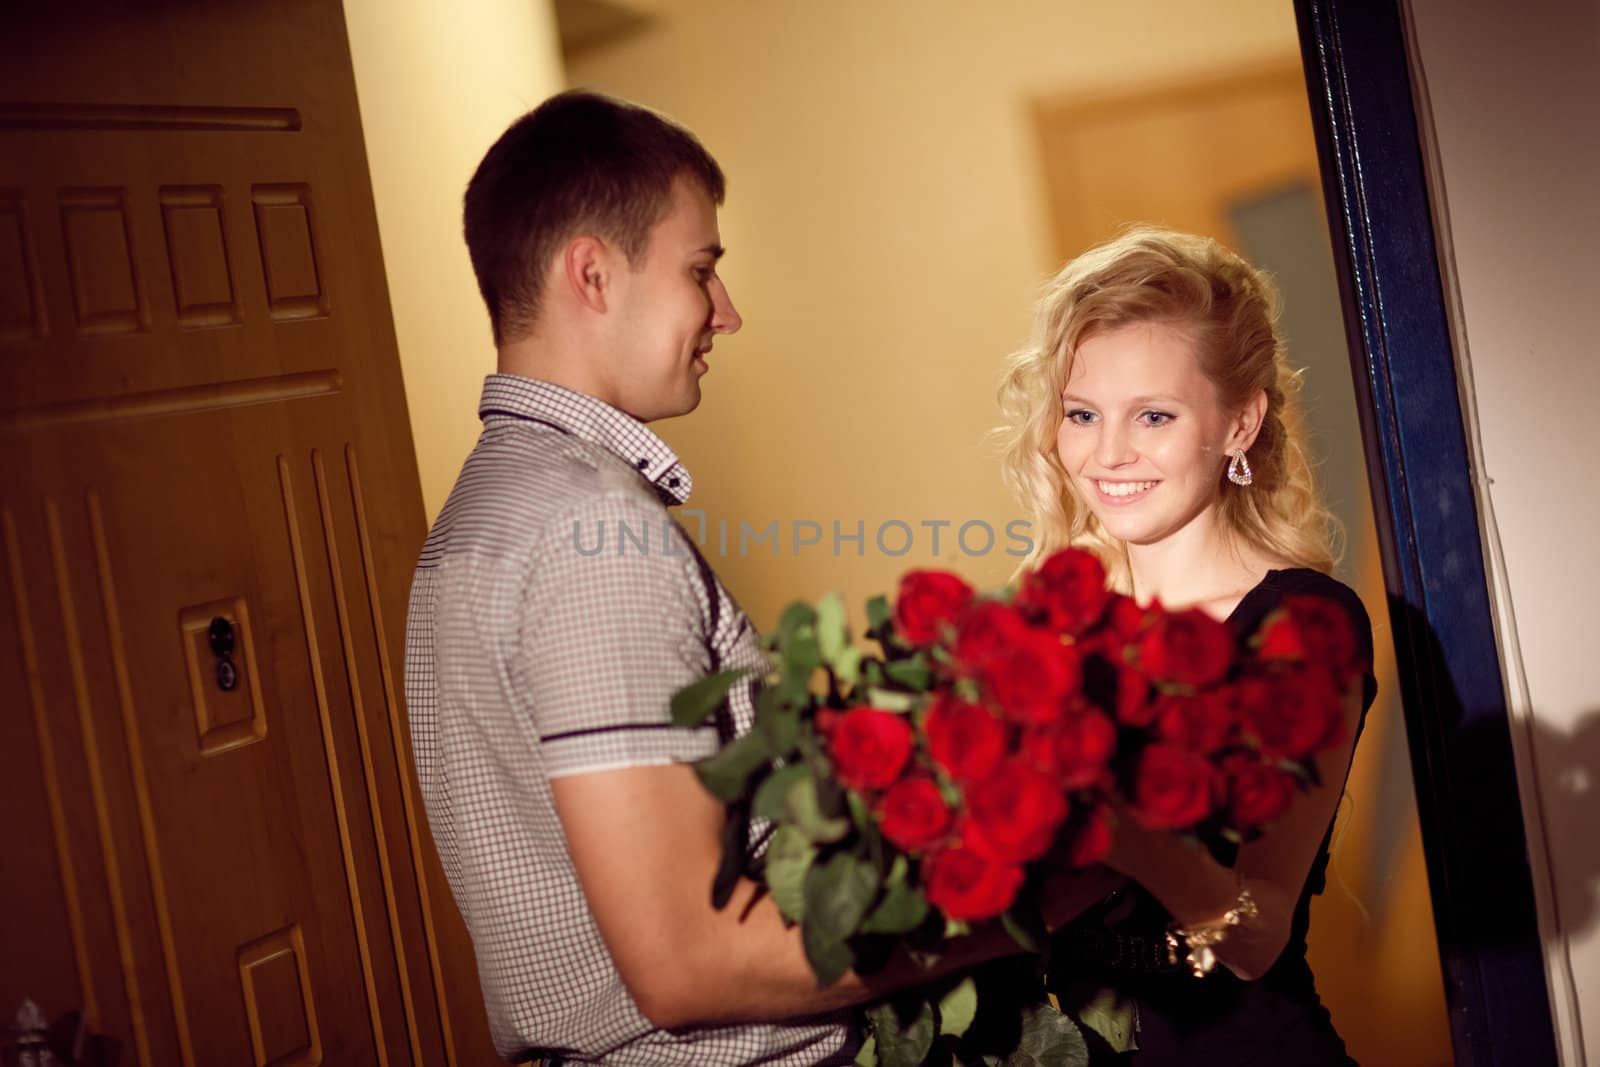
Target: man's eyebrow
716 250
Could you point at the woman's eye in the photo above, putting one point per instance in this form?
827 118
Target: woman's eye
1080 416
1156 418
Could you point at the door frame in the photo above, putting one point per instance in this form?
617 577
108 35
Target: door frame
1429 530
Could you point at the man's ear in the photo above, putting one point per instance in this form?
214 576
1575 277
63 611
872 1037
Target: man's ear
585 271
1247 422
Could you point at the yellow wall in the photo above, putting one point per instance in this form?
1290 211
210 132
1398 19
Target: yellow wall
887 230
437 84
886 235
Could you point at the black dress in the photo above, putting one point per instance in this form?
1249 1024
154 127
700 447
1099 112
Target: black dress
1219 1019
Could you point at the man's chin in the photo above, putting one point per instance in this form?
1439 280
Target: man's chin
674 409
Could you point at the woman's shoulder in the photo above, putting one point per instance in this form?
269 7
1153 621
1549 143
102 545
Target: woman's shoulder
1292 581
1281 584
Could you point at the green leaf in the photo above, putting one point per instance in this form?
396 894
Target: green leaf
792 693
901 910
897 871
871 673
838 894
868 1056
958 1007
903 1044
860 813
793 618
847 665
829 956
803 808
802 655
727 772
789 857
954 928
1019 933
1103 1010
1049 1039
781 727
772 796
693 704
889 700
912 672
832 634
878 613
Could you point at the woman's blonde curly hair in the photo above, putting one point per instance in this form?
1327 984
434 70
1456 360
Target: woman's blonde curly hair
1230 309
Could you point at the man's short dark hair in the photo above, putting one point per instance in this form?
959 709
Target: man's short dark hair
579 162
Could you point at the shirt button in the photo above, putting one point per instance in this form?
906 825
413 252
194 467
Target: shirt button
673 482
642 464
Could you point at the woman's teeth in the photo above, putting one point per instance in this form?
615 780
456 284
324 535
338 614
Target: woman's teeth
1124 488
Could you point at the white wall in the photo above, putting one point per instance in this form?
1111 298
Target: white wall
1514 97
437 84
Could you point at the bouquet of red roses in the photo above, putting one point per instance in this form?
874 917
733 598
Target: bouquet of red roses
912 793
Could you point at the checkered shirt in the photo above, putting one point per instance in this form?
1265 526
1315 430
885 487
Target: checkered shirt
556 608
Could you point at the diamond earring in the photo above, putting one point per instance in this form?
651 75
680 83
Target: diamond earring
1239 468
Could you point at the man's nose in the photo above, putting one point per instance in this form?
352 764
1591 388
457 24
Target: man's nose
725 318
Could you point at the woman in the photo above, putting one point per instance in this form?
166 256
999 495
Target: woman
1150 420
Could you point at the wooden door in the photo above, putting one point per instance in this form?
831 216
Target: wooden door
209 510
1176 155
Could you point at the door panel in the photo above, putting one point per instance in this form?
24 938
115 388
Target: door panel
202 419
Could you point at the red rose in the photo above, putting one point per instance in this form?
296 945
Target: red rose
1257 793
913 813
1294 713
1125 617
1173 788
1187 648
1068 591
928 602
1133 698
1279 639
1329 635
1017 811
985 629
965 739
1073 751
869 747
968 885
1031 679
1200 723
1089 835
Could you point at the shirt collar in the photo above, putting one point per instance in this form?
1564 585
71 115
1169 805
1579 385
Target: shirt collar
509 396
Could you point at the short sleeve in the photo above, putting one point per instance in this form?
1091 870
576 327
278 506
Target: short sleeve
1301 581
615 622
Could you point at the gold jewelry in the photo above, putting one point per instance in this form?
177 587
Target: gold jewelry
1196 942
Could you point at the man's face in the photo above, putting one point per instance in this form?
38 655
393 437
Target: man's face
669 310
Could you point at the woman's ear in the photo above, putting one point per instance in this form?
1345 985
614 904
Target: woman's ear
1247 422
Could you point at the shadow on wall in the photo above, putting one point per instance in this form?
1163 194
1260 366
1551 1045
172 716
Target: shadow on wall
1568 766
1494 909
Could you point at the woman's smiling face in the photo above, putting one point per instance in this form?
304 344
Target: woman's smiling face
1143 437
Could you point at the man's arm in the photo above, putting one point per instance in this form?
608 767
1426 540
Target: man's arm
646 843
609 638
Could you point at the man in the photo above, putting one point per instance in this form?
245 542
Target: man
543 648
